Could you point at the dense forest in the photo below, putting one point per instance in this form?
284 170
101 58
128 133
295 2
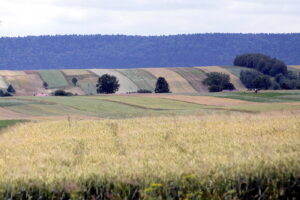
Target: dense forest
119 51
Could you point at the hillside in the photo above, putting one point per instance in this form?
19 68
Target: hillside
119 51
187 80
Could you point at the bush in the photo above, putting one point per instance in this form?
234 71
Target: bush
62 93
144 91
162 86
253 79
218 81
107 84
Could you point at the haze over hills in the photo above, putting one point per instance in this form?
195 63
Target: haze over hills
120 51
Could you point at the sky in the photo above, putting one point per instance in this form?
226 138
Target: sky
147 17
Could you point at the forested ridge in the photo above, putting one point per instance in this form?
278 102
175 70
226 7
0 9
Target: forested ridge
120 51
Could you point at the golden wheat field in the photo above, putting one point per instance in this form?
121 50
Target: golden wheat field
150 150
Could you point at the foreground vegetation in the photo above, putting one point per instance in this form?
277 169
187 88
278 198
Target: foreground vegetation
231 155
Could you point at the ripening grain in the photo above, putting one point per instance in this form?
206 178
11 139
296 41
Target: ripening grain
148 149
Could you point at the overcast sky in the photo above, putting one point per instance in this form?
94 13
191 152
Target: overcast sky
147 17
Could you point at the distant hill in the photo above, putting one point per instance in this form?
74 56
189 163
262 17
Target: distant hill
119 51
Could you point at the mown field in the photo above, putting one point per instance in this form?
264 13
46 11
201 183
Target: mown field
229 145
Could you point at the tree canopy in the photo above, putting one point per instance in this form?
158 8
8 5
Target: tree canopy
162 86
107 84
218 81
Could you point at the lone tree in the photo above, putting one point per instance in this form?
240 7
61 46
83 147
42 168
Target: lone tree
11 89
107 84
74 81
45 85
162 86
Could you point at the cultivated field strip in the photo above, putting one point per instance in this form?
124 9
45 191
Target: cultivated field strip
12 73
194 76
233 79
206 100
141 78
126 85
3 84
54 78
75 72
176 82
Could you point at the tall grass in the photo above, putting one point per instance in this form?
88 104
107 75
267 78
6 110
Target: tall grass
214 156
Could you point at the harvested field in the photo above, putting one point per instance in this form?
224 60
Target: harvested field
194 76
12 73
126 85
3 84
54 78
233 79
141 78
176 82
75 72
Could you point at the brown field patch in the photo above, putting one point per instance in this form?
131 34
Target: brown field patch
176 82
12 73
295 66
6 114
233 79
75 72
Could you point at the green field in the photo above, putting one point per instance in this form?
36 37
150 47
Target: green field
54 78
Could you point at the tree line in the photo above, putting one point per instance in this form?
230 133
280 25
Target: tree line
266 73
120 51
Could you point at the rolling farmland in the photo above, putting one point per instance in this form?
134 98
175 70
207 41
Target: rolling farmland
182 80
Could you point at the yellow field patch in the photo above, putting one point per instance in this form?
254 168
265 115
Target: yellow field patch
23 85
295 66
2 83
233 79
176 82
75 72
126 85
12 73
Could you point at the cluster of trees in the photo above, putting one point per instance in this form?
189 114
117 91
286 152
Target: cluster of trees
119 51
262 63
9 91
266 73
218 82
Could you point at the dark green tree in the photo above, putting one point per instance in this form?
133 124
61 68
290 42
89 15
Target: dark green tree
262 82
74 81
107 84
162 86
217 82
11 89
45 85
